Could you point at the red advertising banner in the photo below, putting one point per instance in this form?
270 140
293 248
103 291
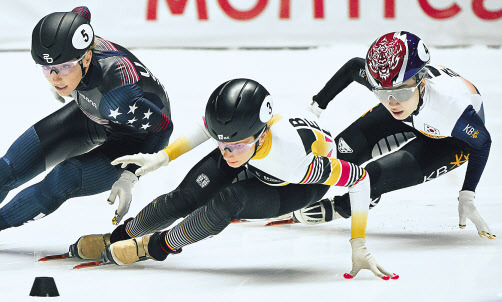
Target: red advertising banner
266 23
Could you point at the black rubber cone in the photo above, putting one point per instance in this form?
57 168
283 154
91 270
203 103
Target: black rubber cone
44 287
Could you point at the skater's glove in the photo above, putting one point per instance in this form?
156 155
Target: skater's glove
315 109
362 259
147 162
467 209
123 189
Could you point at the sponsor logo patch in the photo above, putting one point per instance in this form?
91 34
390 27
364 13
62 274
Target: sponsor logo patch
89 101
202 180
469 130
459 160
47 58
343 147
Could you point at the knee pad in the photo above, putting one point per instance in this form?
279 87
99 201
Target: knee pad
7 176
177 204
392 172
62 182
225 203
23 161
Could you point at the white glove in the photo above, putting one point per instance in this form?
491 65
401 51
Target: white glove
467 209
147 162
362 259
122 187
315 109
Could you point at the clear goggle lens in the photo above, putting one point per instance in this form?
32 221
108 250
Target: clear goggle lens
238 148
61 69
400 94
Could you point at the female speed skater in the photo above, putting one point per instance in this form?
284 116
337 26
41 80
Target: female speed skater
118 107
432 116
292 164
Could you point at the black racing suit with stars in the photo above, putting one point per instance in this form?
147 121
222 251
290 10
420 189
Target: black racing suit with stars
119 108
454 133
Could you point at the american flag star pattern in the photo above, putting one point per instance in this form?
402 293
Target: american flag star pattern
125 105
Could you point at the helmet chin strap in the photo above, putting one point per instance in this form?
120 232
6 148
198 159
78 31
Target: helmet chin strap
420 100
255 148
83 69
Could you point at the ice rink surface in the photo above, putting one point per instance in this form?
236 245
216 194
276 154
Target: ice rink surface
413 232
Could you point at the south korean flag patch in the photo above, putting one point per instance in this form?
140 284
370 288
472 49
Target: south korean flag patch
431 130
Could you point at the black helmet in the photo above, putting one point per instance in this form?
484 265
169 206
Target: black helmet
238 109
62 37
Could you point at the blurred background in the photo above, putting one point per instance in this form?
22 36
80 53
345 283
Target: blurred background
264 23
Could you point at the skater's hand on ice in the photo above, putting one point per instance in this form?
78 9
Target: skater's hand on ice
467 209
147 162
123 189
362 259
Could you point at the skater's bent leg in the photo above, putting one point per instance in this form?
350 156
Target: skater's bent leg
48 143
157 215
247 199
419 161
202 182
208 220
85 175
23 161
389 173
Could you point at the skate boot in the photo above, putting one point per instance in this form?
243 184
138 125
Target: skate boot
90 246
152 246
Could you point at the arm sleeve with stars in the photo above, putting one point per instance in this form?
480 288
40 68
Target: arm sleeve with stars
126 105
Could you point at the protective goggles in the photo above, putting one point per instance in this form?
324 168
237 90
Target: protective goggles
400 94
61 69
239 148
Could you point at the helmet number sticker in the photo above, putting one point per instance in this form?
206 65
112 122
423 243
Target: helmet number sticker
83 37
266 109
423 52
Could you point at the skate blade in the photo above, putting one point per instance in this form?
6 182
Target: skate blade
55 257
89 264
239 220
281 222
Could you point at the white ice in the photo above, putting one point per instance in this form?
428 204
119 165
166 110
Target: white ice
413 232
